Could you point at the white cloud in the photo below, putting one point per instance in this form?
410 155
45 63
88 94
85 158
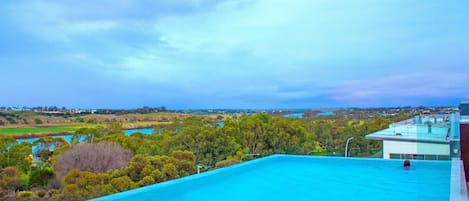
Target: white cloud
413 86
262 49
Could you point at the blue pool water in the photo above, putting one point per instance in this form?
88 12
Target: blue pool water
301 178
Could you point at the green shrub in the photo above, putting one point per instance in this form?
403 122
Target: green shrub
146 181
25 180
53 192
226 162
41 175
41 193
79 119
123 183
37 121
11 120
26 194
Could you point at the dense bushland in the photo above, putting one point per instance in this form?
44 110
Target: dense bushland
109 161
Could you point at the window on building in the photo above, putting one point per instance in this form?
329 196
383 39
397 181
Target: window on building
407 156
418 156
443 157
430 157
395 156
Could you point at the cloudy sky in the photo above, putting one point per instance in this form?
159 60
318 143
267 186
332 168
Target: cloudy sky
234 53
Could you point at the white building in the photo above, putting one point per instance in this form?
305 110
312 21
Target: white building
427 137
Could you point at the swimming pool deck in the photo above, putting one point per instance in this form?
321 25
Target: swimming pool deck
440 129
413 133
458 186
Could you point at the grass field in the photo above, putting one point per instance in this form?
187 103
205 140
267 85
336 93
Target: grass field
25 125
71 128
38 130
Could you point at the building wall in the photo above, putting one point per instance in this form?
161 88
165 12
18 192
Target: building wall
464 142
400 147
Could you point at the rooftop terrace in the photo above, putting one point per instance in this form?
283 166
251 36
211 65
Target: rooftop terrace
428 128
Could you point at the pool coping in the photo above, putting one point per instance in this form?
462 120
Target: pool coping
458 186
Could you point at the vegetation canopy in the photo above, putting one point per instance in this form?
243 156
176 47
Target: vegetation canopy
103 160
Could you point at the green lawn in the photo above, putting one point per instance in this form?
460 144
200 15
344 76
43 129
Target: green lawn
16 131
69 128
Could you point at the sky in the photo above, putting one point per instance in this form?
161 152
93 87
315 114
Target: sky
197 54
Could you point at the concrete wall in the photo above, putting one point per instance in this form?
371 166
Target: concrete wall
399 147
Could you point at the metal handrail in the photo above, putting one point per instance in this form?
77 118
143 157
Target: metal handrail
346 144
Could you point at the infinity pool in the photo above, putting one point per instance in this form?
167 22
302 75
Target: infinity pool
298 178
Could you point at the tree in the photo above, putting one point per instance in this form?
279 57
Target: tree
82 182
15 154
189 137
40 176
185 161
170 171
253 131
45 145
123 183
81 185
133 144
71 192
135 167
97 158
87 134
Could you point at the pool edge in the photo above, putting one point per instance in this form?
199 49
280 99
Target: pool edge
458 196
458 188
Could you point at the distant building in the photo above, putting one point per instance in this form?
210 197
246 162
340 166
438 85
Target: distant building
426 137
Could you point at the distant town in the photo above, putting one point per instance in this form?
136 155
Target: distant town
54 110
44 116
